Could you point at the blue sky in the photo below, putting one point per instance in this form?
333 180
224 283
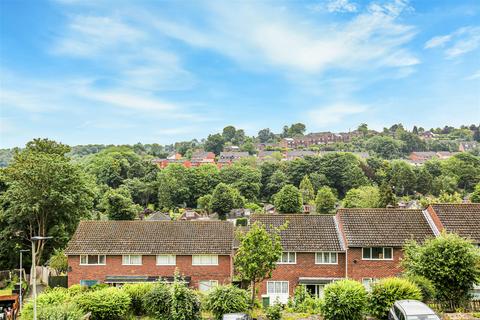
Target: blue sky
164 71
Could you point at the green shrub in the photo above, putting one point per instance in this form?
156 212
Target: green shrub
157 302
274 312
226 299
303 302
76 289
344 300
386 291
99 286
104 304
49 298
65 311
426 287
185 304
241 222
137 292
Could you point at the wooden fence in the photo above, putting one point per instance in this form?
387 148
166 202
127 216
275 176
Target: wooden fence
472 305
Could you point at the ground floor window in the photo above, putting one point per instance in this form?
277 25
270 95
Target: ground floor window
88 283
205 285
316 290
368 282
277 287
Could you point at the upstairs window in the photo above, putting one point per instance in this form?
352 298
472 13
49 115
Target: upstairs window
205 260
92 260
288 258
166 260
326 258
132 260
377 253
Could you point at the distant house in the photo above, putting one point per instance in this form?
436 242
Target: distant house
202 157
190 215
163 163
422 155
159 216
269 209
427 135
268 155
231 157
319 138
231 148
468 146
442 155
299 154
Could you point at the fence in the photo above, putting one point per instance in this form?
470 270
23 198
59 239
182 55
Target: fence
472 305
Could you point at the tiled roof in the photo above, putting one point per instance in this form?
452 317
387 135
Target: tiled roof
383 227
305 233
463 219
152 237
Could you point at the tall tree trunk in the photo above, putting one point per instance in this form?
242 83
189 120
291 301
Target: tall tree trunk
253 293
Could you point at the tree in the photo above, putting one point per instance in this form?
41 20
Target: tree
411 142
424 181
224 199
201 181
296 170
277 181
244 178
306 189
466 167
387 197
174 187
118 205
228 133
325 201
46 196
204 203
214 143
362 197
257 255
402 177
363 128
450 262
384 147
296 129
267 169
289 200
475 196
58 262
265 135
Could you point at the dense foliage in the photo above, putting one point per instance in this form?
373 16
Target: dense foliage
226 299
104 304
388 290
137 293
450 262
344 300
289 200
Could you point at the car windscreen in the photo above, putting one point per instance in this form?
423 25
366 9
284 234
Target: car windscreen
423 317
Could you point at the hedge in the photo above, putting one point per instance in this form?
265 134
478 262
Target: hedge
226 299
344 300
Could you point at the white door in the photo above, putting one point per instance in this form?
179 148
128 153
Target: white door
277 291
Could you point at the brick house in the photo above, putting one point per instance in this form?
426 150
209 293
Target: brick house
313 254
118 252
374 238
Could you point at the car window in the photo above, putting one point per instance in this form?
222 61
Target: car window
423 317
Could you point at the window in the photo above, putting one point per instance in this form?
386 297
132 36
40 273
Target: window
277 287
377 253
88 283
326 258
288 258
205 285
132 260
367 283
205 260
93 260
166 260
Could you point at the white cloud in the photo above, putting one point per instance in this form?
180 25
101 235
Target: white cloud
327 116
459 42
257 34
474 76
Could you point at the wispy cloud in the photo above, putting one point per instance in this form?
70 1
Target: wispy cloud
341 6
255 32
335 113
459 42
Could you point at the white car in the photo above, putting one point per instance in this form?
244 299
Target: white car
411 310
236 316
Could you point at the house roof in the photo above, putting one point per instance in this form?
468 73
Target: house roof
159 216
305 233
152 237
383 226
463 219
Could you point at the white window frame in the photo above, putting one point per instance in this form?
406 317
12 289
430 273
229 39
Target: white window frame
93 264
211 284
129 262
383 253
368 282
322 253
202 263
281 282
172 260
288 253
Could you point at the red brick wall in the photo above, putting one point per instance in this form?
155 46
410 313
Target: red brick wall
114 267
305 267
373 268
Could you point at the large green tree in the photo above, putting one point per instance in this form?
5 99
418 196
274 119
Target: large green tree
118 204
245 178
224 199
174 187
306 188
362 197
450 262
214 143
325 201
289 200
257 255
47 195
402 178
385 147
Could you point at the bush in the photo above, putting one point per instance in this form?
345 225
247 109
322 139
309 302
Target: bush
104 304
65 311
137 293
241 222
426 287
344 300
303 302
185 304
386 291
226 299
76 289
49 298
157 302
274 312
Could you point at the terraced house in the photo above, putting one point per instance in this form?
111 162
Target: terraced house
362 244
